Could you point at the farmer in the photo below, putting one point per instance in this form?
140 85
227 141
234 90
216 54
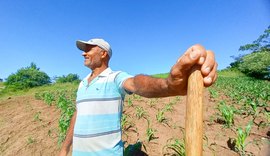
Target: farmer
95 127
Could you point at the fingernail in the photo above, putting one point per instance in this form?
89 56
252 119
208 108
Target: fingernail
201 61
208 79
193 54
207 69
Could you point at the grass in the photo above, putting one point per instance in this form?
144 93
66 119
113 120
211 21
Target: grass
52 87
230 73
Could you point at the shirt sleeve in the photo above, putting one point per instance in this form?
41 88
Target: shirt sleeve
120 78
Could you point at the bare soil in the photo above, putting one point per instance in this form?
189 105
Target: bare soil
30 127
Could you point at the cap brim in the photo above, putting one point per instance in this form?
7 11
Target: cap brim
82 44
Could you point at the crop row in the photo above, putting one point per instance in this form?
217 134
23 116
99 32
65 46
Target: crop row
64 100
244 97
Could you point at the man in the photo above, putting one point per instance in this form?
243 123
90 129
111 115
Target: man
95 127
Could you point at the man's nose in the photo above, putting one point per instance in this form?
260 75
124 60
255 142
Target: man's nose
84 53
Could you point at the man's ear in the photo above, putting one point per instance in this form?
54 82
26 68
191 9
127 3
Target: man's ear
104 54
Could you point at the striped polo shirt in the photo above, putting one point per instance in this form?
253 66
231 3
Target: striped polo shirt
97 130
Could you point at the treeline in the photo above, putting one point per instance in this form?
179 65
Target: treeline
32 76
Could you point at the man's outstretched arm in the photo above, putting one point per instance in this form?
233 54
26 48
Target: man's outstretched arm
176 83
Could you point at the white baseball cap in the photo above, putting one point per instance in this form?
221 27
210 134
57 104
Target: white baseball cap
96 41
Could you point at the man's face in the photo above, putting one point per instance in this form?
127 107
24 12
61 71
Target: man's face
92 56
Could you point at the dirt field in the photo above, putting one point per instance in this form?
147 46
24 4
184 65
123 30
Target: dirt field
30 127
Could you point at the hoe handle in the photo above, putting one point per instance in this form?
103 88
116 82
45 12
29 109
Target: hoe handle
194 114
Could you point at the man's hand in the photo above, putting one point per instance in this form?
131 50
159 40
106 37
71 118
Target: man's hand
195 55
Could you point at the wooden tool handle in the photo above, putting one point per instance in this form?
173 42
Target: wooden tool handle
194 114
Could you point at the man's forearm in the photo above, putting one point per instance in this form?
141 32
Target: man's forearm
150 87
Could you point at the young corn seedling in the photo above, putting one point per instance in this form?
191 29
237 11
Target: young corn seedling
130 103
175 145
152 103
227 114
31 140
213 93
253 104
150 132
140 112
168 107
239 141
161 117
137 97
125 123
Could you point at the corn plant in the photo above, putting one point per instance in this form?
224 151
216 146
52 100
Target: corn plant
31 140
213 93
125 123
227 113
168 107
175 145
130 103
152 103
140 112
161 117
241 138
64 103
253 104
150 132
136 97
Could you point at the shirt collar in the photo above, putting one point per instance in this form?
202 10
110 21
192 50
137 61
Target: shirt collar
105 73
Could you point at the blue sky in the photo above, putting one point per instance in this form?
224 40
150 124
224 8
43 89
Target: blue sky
147 36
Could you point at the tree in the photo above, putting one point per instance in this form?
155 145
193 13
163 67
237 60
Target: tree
27 77
261 44
257 63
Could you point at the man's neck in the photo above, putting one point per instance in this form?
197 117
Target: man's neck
96 72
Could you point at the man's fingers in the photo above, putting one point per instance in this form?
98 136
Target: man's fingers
211 77
209 63
209 68
194 55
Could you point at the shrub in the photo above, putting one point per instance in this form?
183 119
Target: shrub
68 78
28 77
